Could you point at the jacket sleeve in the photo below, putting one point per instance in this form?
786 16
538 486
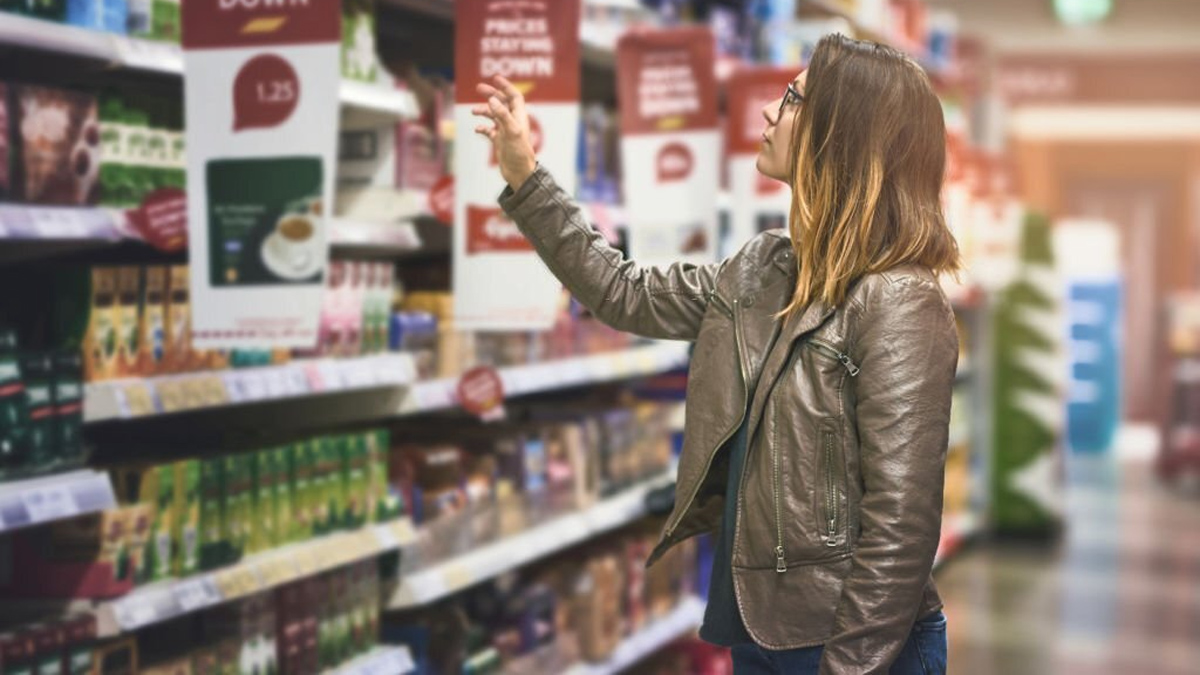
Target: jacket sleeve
658 302
908 351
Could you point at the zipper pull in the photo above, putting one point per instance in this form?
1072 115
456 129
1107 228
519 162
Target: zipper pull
850 367
780 563
831 540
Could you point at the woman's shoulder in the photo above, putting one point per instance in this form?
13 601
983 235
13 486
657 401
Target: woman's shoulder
903 284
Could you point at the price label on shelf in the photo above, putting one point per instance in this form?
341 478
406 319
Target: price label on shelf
135 399
297 380
48 503
277 382
358 374
133 613
162 57
405 532
253 386
193 594
325 375
457 576
386 537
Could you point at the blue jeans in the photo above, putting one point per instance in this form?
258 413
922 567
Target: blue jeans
923 654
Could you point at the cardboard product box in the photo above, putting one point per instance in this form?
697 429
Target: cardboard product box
360 60
356 485
598 608
206 661
166 20
236 495
49 641
304 490
163 527
263 501
284 524
420 156
213 546
180 357
100 340
80 634
186 520
152 332
68 408
56 138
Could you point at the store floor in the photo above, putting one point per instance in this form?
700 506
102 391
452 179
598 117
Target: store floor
1119 594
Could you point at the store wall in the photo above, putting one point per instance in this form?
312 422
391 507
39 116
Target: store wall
1150 189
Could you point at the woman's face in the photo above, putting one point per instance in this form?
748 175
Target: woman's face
774 158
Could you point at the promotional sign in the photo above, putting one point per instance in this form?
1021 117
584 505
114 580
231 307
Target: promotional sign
261 82
499 282
670 145
757 203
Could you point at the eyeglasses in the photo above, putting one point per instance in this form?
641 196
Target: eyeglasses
790 97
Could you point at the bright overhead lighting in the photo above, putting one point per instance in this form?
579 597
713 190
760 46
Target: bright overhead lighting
1082 12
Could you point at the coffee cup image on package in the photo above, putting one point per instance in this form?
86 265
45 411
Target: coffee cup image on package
266 221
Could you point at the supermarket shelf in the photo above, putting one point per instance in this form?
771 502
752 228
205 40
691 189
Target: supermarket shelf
167 394
383 660
45 499
681 622
956 530
167 600
441 579
556 374
376 238
164 58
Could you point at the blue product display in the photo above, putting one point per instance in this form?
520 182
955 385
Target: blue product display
1094 396
103 15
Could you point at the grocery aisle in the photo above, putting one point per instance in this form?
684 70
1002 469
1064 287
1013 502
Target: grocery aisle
1118 594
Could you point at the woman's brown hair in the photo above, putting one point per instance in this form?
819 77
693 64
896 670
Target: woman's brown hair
868 157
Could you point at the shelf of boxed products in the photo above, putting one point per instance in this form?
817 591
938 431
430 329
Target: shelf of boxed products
144 397
557 374
165 394
481 562
45 499
383 660
166 58
957 528
684 620
162 601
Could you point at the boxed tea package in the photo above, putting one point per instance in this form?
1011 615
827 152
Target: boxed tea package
213 549
264 509
37 373
107 15
152 331
285 526
186 518
100 341
68 408
128 313
56 136
179 356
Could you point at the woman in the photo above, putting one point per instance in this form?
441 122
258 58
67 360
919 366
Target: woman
819 390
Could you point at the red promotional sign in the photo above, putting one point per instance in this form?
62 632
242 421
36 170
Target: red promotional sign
265 92
481 392
490 231
441 200
162 219
533 43
751 89
665 81
675 162
256 23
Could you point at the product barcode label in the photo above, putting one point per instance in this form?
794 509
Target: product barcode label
196 593
48 503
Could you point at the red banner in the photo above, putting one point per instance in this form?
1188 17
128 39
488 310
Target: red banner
490 231
533 43
665 81
750 89
259 23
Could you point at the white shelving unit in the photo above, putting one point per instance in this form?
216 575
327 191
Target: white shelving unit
445 578
45 499
163 58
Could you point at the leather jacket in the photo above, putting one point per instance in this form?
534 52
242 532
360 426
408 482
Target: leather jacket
839 511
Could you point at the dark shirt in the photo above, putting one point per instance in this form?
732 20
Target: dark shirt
722 619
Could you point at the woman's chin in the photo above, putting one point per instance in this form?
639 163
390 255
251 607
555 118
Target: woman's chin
763 164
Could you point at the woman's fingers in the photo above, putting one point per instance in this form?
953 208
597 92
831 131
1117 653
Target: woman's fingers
486 131
486 90
502 115
516 99
482 110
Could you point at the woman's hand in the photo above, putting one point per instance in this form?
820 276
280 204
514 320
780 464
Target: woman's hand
509 132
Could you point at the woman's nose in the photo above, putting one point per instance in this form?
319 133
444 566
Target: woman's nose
769 111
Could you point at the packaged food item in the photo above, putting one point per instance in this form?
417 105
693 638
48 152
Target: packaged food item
213 549
57 144
37 375
106 15
264 508
152 332
13 413
179 354
127 321
166 20
285 523
100 341
236 494
186 519
68 407
359 59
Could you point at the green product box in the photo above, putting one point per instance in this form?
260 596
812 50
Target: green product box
377 446
337 452
359 58
165 20
284 489
327 481
186 521
304 508
213 548
264 500
162 530
238 498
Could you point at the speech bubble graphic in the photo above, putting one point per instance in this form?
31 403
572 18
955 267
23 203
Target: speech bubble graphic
265 93
674 162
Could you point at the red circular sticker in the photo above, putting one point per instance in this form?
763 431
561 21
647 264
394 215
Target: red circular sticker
265 93
441 200
480 391
162 219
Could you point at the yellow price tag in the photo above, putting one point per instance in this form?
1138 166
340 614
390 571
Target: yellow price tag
138 399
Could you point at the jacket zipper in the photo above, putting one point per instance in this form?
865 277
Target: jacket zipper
828 349
831 497
737 349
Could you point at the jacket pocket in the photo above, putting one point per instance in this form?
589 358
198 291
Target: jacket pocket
832 486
